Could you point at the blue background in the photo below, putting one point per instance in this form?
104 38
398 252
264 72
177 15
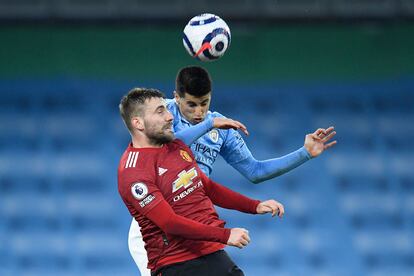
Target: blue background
348 212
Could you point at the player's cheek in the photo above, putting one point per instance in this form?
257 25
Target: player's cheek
188 110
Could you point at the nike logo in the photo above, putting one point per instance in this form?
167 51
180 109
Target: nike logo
205 46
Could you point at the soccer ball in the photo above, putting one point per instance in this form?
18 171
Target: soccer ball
206 37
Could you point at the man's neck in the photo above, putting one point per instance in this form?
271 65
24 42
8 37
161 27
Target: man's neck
138 142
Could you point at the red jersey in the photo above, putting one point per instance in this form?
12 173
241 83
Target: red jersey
172 200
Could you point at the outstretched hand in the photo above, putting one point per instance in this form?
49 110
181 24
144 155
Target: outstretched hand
226 123
317 142
270 206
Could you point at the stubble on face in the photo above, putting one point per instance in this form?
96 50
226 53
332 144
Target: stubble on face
158 135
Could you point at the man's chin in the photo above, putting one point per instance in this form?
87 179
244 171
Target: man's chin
162 139
167 138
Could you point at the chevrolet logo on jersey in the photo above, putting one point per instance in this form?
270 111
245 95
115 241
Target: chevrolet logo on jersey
185 179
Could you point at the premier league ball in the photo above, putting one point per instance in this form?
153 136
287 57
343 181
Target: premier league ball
206 37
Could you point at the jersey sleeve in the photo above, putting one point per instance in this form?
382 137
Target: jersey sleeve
191 134
166 219
234 148
227 198
258 171
142 194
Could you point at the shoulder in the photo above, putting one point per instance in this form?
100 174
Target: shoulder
136 164
136 167
171 104
170 101
173 108
177 143
179 146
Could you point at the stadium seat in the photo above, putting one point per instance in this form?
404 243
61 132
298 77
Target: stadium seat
349 212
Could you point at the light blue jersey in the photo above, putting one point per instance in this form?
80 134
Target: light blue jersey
226 142
206 143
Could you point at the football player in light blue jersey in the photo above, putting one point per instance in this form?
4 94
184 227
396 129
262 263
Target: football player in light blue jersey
199 128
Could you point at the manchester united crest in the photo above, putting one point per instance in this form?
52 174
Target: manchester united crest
186 156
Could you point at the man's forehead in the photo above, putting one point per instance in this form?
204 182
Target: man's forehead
154 103
192 98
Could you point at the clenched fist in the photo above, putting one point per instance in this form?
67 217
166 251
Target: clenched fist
239 237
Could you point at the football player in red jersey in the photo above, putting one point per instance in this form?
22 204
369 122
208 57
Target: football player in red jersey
172 199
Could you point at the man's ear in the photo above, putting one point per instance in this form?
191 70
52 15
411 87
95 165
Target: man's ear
137 123
176 96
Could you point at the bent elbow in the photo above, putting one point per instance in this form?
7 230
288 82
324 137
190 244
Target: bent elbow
166 225
257 180
254 178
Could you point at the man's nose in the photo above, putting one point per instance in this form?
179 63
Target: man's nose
170 117
199 110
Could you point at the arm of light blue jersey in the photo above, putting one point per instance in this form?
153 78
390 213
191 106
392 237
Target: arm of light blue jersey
191 134
261 170
237 154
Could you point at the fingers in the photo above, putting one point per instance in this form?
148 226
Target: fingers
275 211
327 146
316 137
329 129
272 206
329 135
245 239
242 127
281 209
226 123
319 131
242 238
322 132
278 210
268 209
246 236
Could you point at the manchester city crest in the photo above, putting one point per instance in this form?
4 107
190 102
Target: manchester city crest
213 134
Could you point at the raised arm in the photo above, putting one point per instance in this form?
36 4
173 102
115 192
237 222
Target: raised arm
260 170
191 134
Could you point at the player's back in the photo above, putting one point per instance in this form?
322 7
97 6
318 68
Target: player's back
147 175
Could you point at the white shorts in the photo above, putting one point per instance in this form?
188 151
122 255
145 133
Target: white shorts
136 248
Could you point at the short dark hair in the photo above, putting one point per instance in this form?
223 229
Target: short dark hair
131 104
193 80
